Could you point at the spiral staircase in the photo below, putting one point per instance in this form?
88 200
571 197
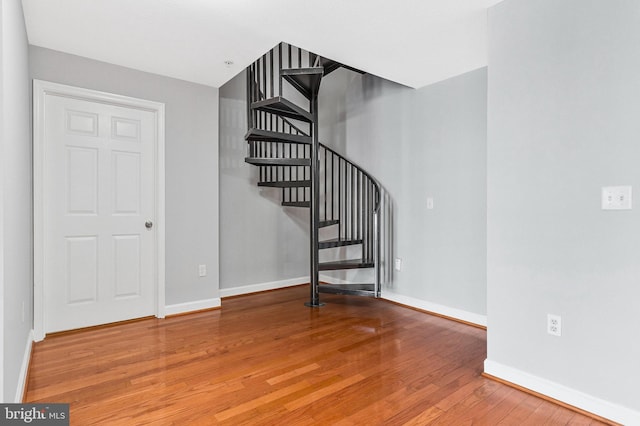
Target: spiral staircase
283 142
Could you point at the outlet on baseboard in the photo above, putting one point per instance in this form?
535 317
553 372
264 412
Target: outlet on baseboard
554 325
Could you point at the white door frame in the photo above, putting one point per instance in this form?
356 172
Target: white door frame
42 89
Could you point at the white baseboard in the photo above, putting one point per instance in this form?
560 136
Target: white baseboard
597 406
24 369
198 305
254 288
459 314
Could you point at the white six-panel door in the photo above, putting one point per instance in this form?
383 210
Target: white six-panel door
99 190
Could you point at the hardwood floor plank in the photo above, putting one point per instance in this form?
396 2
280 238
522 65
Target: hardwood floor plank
293 374
256 402
266 359
426 417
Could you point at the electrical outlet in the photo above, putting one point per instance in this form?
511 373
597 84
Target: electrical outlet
202 270
554 325
429 203
398 264
616 198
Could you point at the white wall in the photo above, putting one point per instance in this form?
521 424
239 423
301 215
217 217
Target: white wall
191 150
564 120
263 245
16 247
429 142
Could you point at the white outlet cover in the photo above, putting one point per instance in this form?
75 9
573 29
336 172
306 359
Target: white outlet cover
429 203
616 198
398 264
554 325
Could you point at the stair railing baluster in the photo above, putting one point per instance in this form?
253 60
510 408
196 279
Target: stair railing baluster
358 206
333 169
340 197
271 71
256 83
369 218
373 222
325 183
365 205
280 69
264 75
353 199
297 168
346 200
361 201
350 204
248 75
261 155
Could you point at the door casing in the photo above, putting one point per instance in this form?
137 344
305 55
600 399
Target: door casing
42 89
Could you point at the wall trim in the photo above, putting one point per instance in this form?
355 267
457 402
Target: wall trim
562 393
196 305
24 369
436 308
254 288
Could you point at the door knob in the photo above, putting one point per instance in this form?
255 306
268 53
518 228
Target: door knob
148 224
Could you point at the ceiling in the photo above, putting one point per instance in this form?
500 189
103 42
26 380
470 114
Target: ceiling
412 42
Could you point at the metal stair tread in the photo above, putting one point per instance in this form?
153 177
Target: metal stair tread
305 80
259 161
283 107
325 223
287 184
337 242
345 264
270 136
296 203
350 289
329 65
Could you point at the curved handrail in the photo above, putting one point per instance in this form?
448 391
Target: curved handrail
363 171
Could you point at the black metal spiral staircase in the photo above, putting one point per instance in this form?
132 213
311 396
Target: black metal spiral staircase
344 200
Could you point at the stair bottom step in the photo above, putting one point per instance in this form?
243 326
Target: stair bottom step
352 289
346 264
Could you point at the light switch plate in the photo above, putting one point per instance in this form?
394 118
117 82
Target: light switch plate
616 198
398 264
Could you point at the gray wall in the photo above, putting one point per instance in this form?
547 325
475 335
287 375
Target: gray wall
422 143
16 247
260 240
564 120
191 150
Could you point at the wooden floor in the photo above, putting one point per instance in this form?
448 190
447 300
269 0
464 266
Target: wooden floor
265 359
